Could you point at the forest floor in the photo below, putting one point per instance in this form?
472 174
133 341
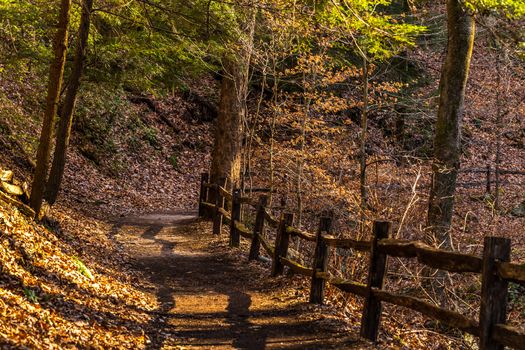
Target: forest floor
209 296
163 281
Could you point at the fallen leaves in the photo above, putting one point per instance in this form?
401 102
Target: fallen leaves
52 299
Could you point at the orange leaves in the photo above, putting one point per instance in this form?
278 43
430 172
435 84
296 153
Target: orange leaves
46 301
333 104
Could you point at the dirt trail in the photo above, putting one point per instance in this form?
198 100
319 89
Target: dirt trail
211 297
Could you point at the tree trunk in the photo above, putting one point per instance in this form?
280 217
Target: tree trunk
56 73
226 154
300 163
461 31
362 154
66 120
501 92
227 148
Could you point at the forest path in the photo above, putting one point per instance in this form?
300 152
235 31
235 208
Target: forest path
211 297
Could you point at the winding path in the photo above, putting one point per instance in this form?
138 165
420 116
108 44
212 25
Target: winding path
211 297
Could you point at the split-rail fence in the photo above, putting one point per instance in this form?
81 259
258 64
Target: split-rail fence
494 266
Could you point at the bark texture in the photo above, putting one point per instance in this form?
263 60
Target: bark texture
461 32
226 155
56 73
362 154
227 150
66 119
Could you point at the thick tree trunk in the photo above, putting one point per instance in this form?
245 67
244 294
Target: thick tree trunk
227 150
53 95
226 155
461 31
66 120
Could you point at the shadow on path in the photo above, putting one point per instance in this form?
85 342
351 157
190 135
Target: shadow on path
211 299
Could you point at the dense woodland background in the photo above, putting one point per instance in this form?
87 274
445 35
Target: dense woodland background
331 105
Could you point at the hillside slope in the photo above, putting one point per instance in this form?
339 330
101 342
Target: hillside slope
129 153
58 291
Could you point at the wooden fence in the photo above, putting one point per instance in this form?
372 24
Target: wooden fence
494 266
489 179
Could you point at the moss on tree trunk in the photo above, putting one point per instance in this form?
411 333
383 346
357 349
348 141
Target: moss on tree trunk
56 73
66 119
227 148
226 155
461 31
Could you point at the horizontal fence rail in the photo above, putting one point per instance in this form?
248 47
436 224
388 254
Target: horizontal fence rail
432 257
494 266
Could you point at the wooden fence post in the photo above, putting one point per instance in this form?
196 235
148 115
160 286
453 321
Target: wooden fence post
281 244
493 291
258 228
219 203
322 252
203 195
370 319
235 239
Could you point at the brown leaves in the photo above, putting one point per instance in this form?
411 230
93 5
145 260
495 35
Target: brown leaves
47 299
